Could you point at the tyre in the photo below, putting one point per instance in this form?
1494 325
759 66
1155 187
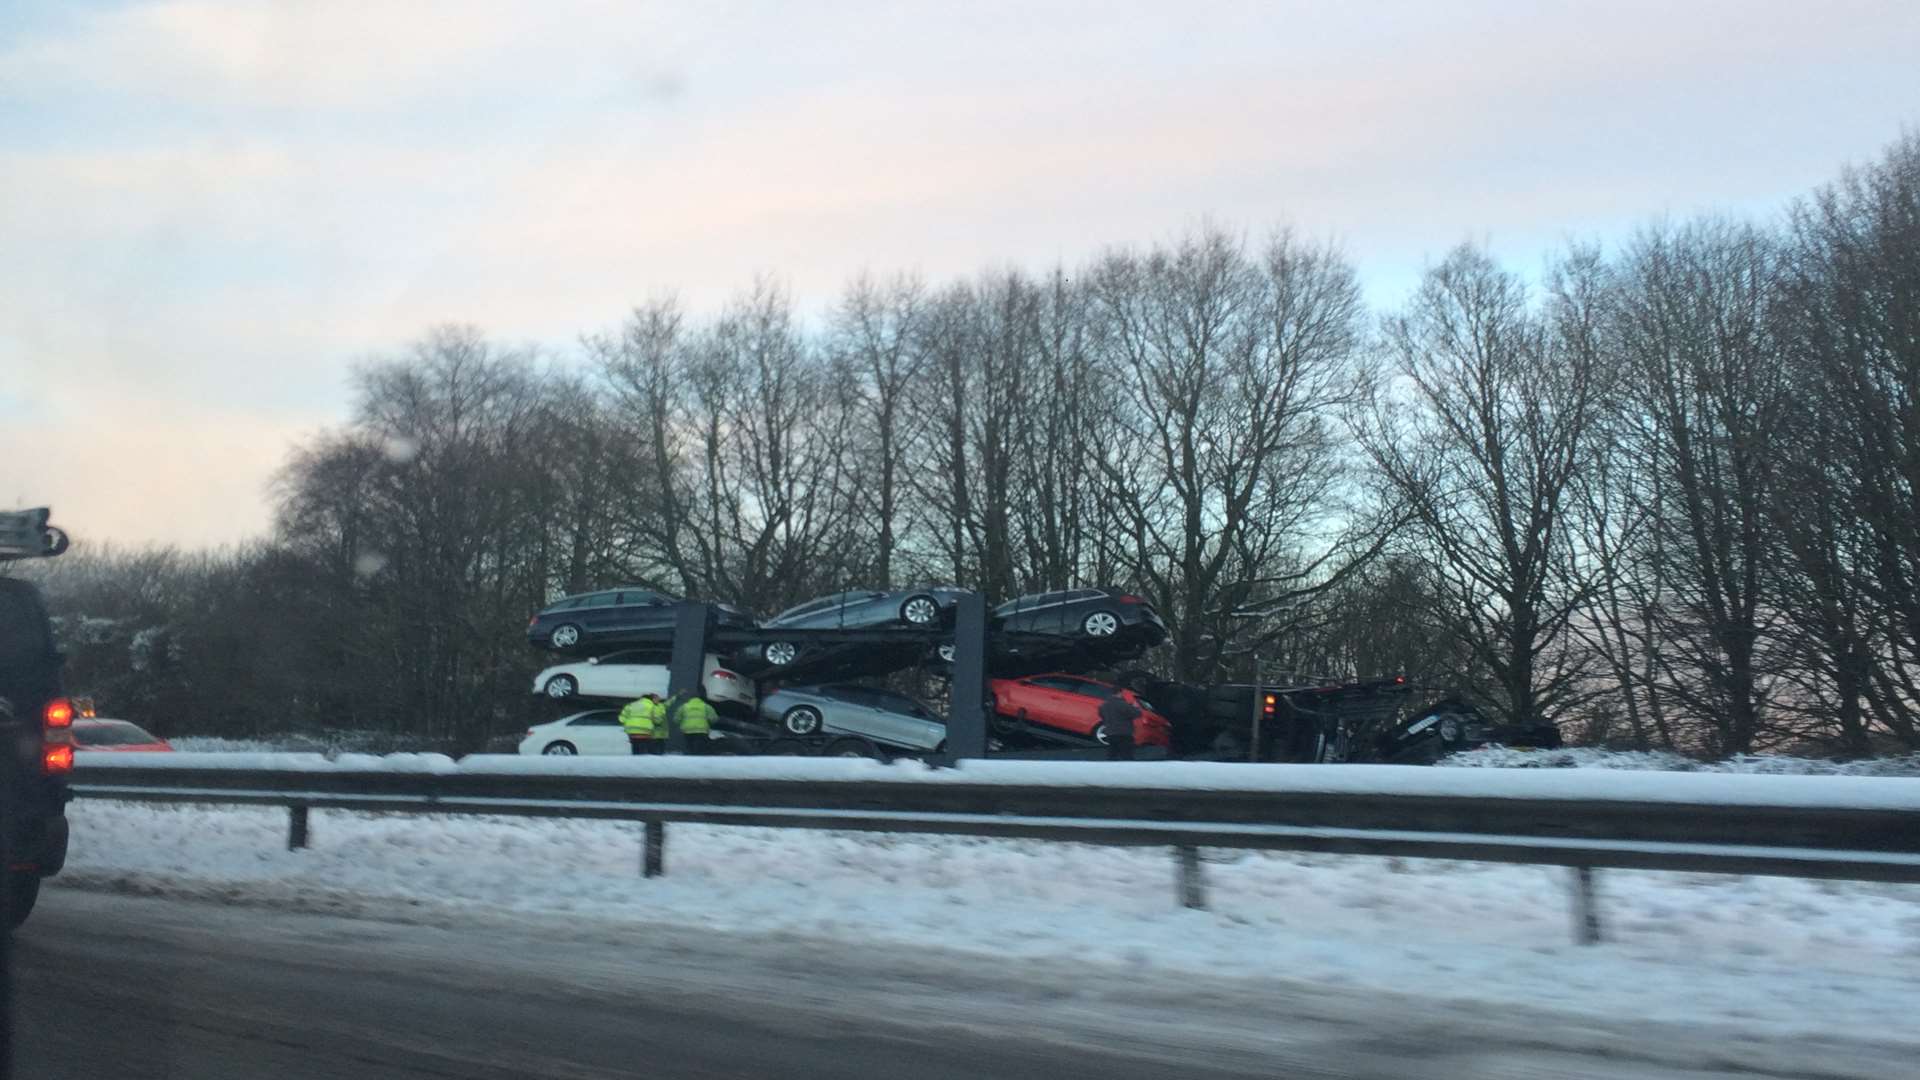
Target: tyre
1451 729
1100 624
802 720
920 610
1003 724
852 747
1103 733
781 653
946 652
561 687
559 749
565 636
23 891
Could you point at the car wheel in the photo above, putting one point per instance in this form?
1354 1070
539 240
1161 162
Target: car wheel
1004 724
559 749
25 891
1101 624
947 652
565 636
802 720
920 610
562 686
1102 734
851 747
1450 729
781 653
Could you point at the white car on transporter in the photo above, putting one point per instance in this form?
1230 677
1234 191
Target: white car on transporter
624 676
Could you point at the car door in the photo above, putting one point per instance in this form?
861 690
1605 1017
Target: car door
1061 706
598 732
642 610
623 674
597 614
899 719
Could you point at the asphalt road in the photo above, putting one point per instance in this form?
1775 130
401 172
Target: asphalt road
113 986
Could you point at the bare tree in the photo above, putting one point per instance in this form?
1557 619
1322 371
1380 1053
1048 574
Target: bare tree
1481 441
1695 330
1231 374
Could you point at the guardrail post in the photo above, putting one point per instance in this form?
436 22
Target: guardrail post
1586 913
654 855
1193 884
296 827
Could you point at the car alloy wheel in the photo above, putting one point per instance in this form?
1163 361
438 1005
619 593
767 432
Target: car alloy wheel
920 611
1450 729
782 653
562 686
559 749
566 636
947 652
1101 624
801 720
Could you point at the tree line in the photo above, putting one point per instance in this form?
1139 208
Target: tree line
1665 495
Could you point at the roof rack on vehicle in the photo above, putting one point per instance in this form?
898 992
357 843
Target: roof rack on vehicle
25 534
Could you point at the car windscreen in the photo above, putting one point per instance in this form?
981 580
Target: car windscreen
117 733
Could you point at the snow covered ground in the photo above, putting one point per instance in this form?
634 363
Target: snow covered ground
1769 956
1586 757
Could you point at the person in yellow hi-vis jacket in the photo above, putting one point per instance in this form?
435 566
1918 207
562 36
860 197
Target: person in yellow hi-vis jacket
645 722
695 718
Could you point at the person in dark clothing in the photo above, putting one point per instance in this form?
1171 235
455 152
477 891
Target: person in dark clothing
1117 716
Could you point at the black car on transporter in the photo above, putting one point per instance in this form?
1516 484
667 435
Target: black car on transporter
919 607
616 617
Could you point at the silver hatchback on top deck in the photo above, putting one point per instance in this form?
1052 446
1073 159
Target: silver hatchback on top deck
883 717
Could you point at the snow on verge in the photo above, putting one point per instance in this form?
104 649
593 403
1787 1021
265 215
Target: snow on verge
1588 757
1765 955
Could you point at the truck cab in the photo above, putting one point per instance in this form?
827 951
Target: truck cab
36 720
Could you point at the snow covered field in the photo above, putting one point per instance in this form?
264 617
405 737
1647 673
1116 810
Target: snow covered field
1586 757
1761 955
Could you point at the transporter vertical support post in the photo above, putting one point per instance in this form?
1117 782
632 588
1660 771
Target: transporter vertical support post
967 712
690 618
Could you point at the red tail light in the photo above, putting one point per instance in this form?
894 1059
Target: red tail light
56 759
1399 678
724 675
59 713
531 621
1269 704
1128 599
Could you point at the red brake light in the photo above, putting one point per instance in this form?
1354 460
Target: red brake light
59 713
1399 678
1129 599
57 759
533 620
724 675
1270 703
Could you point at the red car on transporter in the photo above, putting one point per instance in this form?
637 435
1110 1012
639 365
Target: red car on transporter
1069 705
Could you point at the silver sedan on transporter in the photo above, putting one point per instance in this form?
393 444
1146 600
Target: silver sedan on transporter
883 717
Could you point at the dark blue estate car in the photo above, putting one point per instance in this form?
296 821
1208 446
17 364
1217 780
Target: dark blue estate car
616 617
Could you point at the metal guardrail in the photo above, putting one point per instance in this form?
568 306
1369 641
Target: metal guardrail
1812 827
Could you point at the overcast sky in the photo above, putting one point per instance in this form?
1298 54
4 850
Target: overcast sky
210 210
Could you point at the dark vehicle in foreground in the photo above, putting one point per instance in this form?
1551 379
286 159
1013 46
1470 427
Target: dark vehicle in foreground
1451 725
616 617
36 740
884 717
120 736
1059 707
1392 719
926 607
